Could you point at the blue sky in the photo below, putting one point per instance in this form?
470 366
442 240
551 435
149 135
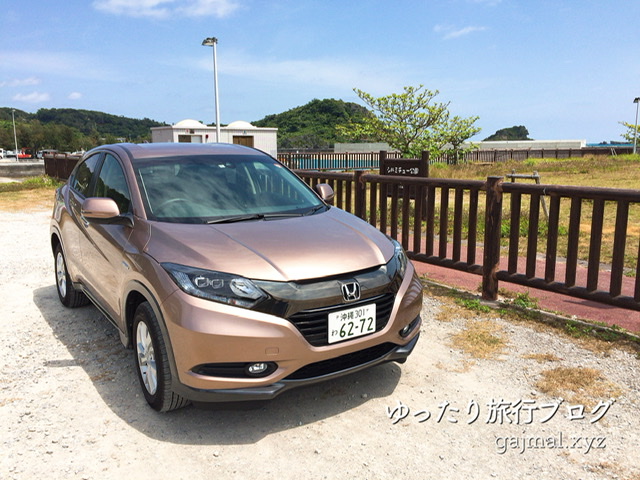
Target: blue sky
564 69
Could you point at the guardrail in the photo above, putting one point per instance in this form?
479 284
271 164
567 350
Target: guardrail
443 224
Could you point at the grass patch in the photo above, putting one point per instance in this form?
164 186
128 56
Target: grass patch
599 338
473 304
543 357
31 183
524 300
34 193
577 385
480 339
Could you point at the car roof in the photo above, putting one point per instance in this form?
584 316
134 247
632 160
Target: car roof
158 150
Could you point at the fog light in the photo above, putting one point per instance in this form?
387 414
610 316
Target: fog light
408 328
260 369
257 368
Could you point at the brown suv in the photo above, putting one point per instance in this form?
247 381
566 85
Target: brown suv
229 276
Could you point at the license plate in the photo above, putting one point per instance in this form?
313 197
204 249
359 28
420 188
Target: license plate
352 323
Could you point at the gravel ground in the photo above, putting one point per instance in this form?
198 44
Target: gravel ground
70 405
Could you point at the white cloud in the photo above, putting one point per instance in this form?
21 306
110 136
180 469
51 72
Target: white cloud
167 8
34 97
75 96
450 32
20 82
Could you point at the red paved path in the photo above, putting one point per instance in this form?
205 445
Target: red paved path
562 304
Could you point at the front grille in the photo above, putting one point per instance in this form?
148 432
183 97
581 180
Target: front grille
313 324
344 362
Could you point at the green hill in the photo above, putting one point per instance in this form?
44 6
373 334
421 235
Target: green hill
312 125
87 121
68 129
512 133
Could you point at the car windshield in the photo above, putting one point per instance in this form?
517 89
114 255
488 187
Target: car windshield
218 188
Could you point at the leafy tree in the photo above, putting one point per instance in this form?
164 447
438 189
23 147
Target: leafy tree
512 133
406 121
453 133
631 133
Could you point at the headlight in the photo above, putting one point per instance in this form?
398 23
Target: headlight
400 257
216 286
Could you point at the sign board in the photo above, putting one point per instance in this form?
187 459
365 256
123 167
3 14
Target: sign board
404 167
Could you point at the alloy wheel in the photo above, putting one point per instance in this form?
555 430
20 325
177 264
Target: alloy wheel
146 358
61 275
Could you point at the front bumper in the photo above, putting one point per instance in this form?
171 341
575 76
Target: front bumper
398 353
202 333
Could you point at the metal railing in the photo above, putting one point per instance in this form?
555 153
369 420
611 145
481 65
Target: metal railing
371 160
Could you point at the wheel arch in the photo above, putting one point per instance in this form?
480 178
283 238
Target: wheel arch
55 240
136 294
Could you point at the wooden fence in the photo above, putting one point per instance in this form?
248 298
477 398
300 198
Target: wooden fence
60 165
443 225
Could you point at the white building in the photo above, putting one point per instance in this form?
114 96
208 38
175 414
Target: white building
242 133
530 144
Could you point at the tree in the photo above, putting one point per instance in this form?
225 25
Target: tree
452 133
412 122
405 121
631 133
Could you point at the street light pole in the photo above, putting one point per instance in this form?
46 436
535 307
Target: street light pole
635 133
15 137
213 42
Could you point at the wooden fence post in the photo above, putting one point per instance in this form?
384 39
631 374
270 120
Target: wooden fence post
361 195
492 223
425 164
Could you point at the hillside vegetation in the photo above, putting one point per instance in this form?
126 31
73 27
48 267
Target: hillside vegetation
68 129
313 126
519 132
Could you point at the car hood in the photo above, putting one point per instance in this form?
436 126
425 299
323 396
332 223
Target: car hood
285 249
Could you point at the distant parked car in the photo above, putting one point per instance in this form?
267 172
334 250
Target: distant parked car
229 276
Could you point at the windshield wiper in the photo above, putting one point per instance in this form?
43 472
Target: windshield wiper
315 209
255 216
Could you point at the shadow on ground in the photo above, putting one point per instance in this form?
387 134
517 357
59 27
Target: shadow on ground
94 346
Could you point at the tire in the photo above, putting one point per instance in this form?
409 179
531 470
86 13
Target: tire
67 293
152 362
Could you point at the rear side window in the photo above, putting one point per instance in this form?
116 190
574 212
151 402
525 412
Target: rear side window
111 183
82 178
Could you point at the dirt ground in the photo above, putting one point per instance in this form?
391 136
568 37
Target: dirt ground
71 407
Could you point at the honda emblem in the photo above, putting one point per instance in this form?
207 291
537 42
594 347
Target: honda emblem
350 291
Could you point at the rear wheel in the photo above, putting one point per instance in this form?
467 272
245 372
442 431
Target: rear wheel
152 362
69 296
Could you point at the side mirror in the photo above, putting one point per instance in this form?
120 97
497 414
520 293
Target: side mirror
104 211
326 192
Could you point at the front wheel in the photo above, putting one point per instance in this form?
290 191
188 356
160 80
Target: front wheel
69 296
152 362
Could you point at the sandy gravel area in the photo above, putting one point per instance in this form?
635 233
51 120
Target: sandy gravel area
71 408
